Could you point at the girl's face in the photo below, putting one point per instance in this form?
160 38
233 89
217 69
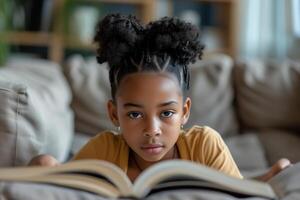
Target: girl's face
150 111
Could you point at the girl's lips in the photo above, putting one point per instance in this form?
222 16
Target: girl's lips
149 146
152 148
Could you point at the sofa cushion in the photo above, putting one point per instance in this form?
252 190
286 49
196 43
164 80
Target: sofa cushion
212 95
280 144
90 86
268 94
247 148
35 116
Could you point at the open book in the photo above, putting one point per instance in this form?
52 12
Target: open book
108 180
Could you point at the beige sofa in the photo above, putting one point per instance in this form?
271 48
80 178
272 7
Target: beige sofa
47 108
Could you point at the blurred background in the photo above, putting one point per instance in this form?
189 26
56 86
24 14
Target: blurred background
56 29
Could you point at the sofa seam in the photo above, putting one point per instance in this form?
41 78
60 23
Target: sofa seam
17 128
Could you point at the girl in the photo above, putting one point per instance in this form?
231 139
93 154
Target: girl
149 77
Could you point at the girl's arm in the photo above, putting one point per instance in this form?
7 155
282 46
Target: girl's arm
280 165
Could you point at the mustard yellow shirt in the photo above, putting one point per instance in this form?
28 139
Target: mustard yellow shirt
199 144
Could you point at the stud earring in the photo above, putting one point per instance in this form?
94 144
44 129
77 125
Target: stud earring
118 128
181 127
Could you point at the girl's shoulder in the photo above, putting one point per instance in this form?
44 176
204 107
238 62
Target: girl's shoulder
197 141
107 137
204 130
201 133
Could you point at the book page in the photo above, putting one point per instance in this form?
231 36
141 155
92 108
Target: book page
73 169
180 169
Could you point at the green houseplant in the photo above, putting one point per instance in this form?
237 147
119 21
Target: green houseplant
5 16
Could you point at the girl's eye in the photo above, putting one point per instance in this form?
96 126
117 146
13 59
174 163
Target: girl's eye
167 114
134 115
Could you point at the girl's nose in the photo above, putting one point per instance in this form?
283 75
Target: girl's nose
152 134
152 128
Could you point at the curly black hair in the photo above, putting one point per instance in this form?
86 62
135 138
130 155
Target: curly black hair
165 45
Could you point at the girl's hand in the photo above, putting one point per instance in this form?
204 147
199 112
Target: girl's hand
280 165
43 160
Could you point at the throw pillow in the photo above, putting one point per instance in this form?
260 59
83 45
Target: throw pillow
35 114
268 94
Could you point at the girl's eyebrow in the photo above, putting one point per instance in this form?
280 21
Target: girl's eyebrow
167 103
132 105
141 106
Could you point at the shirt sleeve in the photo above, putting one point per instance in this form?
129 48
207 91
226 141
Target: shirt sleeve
95 148
216 153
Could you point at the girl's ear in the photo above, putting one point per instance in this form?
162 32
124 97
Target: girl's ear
112 112
186 110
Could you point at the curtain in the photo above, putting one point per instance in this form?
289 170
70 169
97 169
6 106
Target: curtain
268 28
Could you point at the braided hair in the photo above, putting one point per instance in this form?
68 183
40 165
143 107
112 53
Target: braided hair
166 45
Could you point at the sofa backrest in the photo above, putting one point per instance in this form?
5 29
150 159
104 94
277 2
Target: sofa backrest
229 97
90 86
211 93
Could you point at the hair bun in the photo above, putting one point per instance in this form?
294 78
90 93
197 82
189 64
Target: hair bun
179 39
117 36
